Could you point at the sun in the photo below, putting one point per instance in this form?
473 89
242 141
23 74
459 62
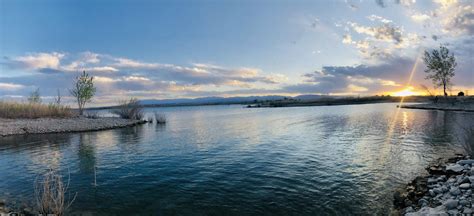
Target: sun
406 92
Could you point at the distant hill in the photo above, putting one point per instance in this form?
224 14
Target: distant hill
213 100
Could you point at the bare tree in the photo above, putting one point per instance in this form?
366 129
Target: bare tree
57 99
83 91
440 65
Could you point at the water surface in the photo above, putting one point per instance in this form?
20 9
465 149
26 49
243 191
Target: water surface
228 160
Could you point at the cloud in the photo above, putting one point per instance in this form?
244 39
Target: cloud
374 17
457 17
356 79
10 86
122 76
419 17
36 61
406 3
384 32
380 3
90 57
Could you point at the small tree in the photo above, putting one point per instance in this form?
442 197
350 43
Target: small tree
440 66
35 96
83 91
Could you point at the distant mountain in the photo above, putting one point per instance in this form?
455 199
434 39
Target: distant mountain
228 100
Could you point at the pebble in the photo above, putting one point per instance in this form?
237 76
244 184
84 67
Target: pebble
465 186
443 193
455 168
451 204
454 191
464 202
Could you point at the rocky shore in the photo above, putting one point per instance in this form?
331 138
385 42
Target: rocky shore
57 125
447 190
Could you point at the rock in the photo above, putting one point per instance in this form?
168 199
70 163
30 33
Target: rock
439 210
423 202
467 211
454 191
451 180
398 199
468 192
438 190
465 186
471 172
436 170
432 193
409 209
463 179
453 212
432 181
456 168
465 162
464 202
451 204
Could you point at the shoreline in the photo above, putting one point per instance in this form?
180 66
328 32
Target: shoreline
447 189
11 127
439 108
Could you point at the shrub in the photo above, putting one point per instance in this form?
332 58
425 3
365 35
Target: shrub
50 194
130 109
160 118
92 115
33 110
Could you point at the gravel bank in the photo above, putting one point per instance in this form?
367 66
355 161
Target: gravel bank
447 190
51 125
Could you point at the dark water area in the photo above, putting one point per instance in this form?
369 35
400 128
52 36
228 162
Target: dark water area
228 160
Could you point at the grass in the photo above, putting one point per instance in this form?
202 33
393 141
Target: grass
129 109
13 110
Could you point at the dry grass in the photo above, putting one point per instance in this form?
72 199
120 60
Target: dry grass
50 193
130 109
33 110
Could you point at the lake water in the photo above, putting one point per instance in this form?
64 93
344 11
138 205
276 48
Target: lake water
229 160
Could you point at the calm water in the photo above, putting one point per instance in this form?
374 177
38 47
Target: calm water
227 160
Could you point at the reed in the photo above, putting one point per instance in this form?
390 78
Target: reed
33 110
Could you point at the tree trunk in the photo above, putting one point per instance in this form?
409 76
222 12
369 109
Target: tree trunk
444 89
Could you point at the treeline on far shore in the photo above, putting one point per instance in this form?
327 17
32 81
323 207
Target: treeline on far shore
353 100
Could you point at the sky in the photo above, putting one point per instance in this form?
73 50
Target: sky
189 48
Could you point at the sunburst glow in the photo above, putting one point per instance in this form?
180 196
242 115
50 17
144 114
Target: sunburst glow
407 92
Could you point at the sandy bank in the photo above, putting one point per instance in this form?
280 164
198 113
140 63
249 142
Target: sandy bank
52 125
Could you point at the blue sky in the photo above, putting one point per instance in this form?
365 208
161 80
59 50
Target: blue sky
170 49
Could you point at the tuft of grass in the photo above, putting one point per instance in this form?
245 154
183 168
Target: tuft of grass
50 194
129 109
14 110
